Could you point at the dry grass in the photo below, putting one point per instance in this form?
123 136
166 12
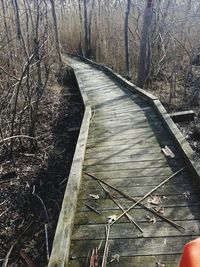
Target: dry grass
173 38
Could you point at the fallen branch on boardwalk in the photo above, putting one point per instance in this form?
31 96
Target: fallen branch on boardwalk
130 218
148 194
94 259
93 209
178 226
106 248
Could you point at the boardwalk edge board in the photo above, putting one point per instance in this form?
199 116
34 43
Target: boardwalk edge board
62 239
180 140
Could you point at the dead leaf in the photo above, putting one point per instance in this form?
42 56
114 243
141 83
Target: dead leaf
94 196
186 194
151 220
167 152
160 210
73 257
115 258
155 200
111 218
158 264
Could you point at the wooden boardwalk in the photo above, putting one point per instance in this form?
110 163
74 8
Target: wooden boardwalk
124 149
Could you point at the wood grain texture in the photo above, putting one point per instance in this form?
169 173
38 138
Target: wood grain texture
137 261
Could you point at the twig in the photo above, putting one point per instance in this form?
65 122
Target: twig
8 254
16 136
4 212
47 240
11 248
42 202
94 258
8 181
106 248
87 259
130 218
6 200
10 75
132 199
93 209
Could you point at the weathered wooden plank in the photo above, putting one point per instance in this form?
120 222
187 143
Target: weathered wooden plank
133 172
127 115
130 118
118 104
117 139
126 132
173 201
122 112
132 125
110 104
126 128
133 247
138 181
125 158
100 152
126 150
137 261
101 87
114 98
134 159
181 116
186 213
137 190
133 142
129 231
132 166
118 110
110 92
127 122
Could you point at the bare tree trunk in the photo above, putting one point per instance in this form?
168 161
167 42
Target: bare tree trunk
56 31
86 52
8 34
16 8
126 38
81 24
89 28
98 32
142 61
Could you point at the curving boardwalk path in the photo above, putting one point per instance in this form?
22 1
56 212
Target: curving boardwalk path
124 149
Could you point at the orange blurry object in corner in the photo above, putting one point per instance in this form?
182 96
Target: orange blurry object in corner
191 254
